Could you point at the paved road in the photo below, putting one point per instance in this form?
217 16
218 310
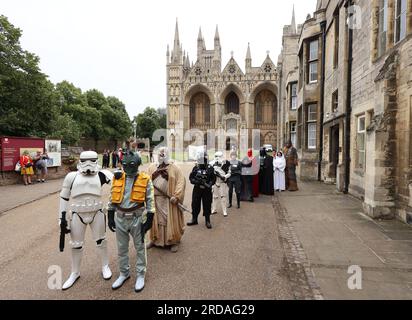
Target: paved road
240 258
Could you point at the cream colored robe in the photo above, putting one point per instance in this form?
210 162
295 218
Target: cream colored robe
175 219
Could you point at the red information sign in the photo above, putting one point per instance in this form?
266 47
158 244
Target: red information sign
13 147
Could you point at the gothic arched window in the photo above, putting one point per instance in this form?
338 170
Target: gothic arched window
232 103
199 109
266 107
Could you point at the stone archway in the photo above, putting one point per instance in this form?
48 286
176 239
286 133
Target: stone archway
202 95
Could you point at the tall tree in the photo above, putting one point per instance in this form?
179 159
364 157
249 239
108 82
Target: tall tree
147 123
95 99
27 98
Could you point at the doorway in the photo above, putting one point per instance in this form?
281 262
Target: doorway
334 150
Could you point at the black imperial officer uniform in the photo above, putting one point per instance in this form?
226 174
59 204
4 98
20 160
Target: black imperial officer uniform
203 178
235 180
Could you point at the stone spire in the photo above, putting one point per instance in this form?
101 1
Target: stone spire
248 57
217 38
200 44
177 48
293 24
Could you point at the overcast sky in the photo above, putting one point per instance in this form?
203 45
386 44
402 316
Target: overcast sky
119 47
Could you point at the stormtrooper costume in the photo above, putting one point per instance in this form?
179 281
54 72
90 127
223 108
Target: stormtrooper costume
84 189
220 190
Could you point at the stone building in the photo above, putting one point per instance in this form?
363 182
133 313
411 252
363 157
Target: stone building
228 102
363 100
288 82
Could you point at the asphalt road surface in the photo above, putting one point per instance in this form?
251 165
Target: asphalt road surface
240 258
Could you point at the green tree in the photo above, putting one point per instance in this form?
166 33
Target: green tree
95 99
147 123
66 129
116 104
69 94
27 98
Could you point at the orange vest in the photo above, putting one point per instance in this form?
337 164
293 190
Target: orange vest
139 189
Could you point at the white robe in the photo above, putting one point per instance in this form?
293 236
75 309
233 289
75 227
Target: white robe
279 165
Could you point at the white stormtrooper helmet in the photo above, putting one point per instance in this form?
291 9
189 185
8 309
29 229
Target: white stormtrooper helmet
163 155
88 163
219 157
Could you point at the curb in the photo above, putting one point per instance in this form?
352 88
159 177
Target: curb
4 212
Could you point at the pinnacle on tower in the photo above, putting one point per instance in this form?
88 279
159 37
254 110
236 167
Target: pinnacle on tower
177 41
200 44
177 48
217 39
293 21
200 37
248 57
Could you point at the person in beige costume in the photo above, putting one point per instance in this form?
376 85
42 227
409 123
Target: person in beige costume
170 184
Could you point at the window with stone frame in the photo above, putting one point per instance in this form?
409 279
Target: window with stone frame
199 109
301 70
382 26
293 96
335 101
232 103
400 20
293 133
265 107
336 44
300 128
313 62
312 116
360 142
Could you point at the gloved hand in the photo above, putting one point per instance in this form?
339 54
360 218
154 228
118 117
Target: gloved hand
149 222
110 220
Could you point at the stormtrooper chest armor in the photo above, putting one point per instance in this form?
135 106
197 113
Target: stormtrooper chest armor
86 193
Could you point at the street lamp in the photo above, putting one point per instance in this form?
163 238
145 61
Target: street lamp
134 125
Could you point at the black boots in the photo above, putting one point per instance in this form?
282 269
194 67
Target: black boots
237 198
208 224
193 222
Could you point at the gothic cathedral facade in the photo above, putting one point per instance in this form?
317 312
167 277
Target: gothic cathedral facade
220 108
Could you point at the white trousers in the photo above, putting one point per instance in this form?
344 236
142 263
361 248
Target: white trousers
78 225
220 193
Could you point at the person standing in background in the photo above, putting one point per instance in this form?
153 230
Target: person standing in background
106 159
114 159
267 183
279 165
26 164
40 162
291 155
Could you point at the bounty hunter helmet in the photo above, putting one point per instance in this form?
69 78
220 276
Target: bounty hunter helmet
131 163
88 163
